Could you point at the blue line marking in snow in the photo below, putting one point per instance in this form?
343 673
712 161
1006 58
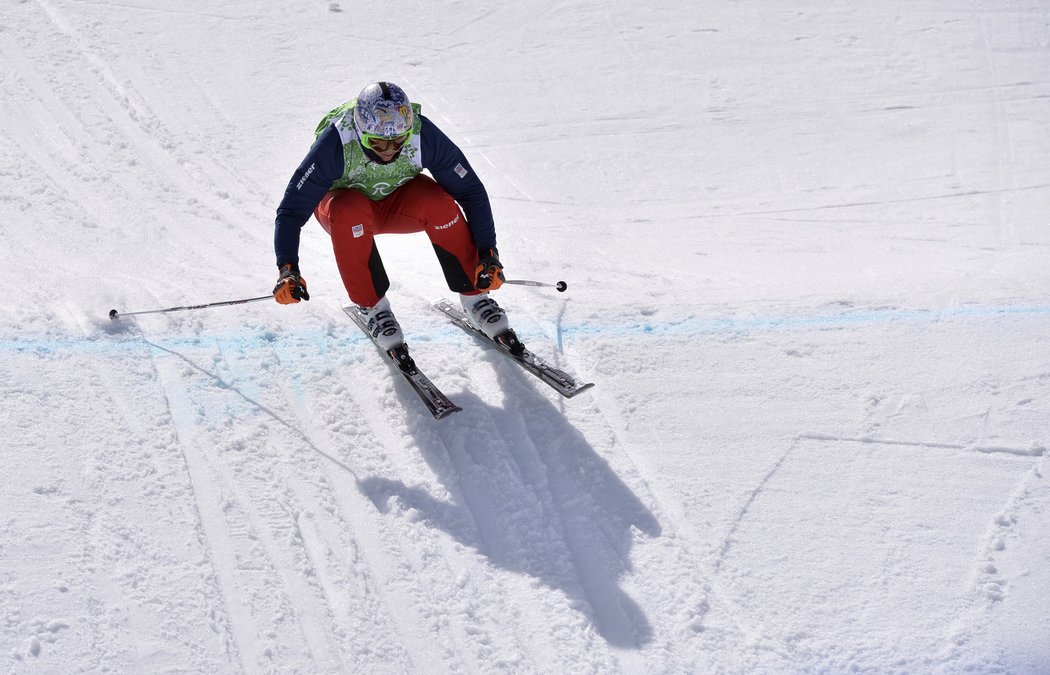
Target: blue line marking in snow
318 341
325 342
737 325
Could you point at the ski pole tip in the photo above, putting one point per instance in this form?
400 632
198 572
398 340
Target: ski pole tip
113 315
561 286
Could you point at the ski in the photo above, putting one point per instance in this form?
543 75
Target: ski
436 402
562 382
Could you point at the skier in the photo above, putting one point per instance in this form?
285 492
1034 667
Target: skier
363 177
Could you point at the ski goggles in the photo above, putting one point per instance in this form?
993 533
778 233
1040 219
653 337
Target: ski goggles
379 144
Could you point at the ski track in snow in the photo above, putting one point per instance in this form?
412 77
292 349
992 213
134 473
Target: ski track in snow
320 620
987 586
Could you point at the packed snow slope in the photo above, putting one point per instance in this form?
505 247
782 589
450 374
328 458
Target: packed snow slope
808 255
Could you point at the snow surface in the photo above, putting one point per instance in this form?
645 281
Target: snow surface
806 247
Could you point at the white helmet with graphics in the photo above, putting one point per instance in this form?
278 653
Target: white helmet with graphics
383 112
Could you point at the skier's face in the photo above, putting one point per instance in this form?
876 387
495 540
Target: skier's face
386 149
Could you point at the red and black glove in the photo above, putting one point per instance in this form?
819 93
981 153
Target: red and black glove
291 287
489 274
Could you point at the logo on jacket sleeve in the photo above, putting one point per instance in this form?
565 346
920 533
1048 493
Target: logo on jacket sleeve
460 170
302 181
358 231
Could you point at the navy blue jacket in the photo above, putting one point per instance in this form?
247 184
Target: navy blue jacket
439 155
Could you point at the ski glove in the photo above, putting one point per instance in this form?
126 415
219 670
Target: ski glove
291 287
489 274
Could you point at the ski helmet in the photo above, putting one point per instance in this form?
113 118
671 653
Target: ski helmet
383 111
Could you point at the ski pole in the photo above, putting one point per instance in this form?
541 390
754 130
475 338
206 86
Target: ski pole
114 314
561 285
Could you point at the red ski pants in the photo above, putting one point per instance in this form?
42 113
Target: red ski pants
421 205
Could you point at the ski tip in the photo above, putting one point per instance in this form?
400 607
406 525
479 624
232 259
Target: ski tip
442 414
578 390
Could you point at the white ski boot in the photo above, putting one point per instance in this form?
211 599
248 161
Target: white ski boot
487 315
383 325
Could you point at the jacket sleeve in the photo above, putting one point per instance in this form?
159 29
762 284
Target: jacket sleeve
322 166
450 169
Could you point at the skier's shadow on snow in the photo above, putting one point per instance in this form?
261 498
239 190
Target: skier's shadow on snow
532 496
